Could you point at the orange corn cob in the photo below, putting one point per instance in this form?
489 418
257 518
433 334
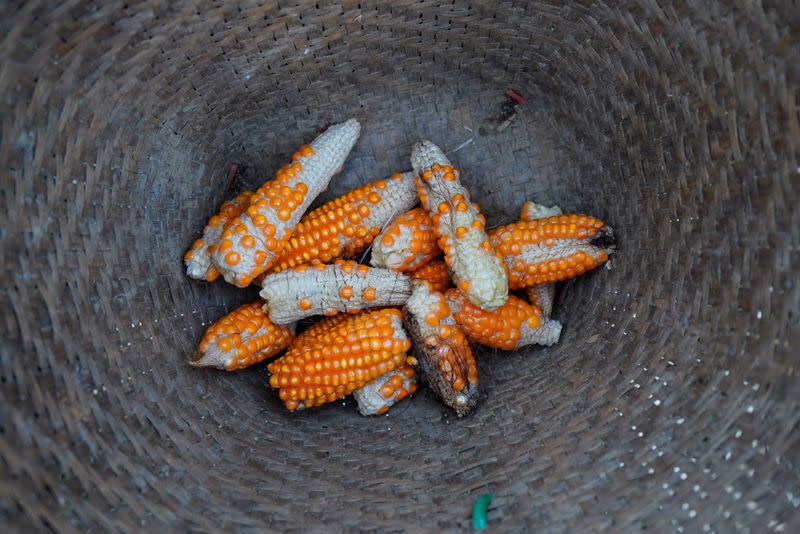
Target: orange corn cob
513 325
198 258
543 296
339 355
552 249
347 225
434 273
385 391
243 337
344 286
442 350
407 243
250 242
474 265
532 211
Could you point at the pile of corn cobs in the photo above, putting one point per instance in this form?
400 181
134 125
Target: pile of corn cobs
362 346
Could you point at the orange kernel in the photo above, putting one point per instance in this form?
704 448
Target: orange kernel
232 258
346 292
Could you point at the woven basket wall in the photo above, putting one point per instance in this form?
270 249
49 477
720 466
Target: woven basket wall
671 402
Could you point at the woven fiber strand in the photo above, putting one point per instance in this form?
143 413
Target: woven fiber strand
671 402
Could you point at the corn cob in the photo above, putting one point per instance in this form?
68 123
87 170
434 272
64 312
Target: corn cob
532 211
382 393
513 325
543 296
434 273
198 258
344 286
442 350
339 355
474 265
243 337
407 243
250 242
552 249
347 225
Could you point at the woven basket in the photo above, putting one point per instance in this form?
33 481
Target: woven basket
671 402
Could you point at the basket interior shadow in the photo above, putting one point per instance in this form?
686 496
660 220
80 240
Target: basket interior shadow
674 123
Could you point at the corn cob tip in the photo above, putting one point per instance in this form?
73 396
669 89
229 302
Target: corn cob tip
218 359
532 211
198 359
377 397
605 239
345 133
424 154
546 334
352 126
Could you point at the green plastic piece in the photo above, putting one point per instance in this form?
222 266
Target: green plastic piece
479 511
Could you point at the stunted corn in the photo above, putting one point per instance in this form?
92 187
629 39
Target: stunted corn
347 225
444 355
552 249
474 265
385 391
243 337
513 325
541 295
250 242
198 258
318 289
339 355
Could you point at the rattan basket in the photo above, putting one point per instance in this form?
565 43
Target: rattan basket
671 402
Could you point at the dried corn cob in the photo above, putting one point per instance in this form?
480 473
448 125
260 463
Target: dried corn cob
475 266
339 355
344 286
543 296
198 258
513 325
552 249
250 242
442 350
434 273
347 225
407 243
243 337
382 393
532 211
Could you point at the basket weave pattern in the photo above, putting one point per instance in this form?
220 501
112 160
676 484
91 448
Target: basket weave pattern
671 400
